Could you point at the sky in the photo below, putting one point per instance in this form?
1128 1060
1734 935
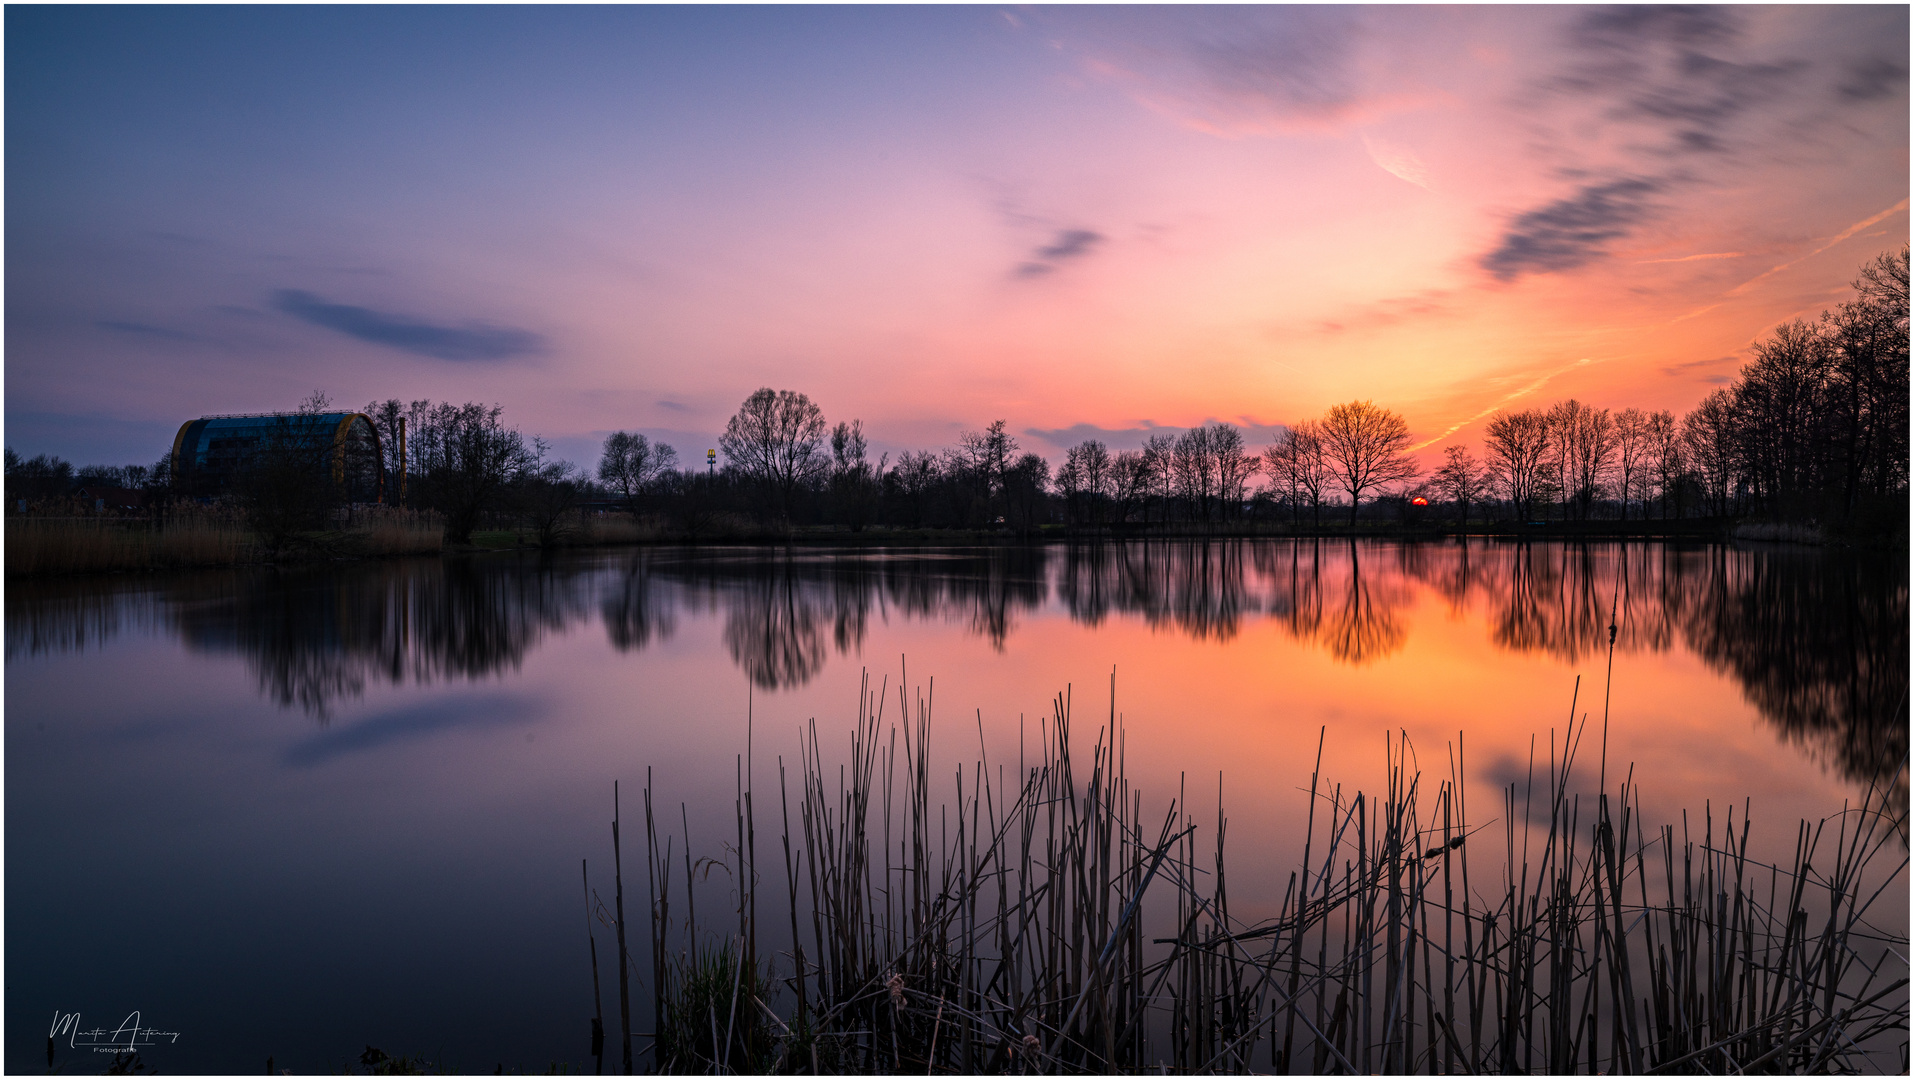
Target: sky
1085 221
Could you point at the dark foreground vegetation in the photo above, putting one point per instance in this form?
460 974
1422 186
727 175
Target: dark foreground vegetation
1052 924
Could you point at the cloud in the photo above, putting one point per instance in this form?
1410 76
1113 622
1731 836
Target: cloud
1872 78
1240 71
1389 311
673 406
1067 244
1840 237
1691 367
473 341
1696 258
1254 432
147 330
1570 232
414 724
1397 161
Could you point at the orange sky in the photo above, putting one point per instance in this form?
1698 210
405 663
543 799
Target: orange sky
1081 220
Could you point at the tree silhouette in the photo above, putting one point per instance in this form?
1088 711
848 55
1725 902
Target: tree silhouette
1366 446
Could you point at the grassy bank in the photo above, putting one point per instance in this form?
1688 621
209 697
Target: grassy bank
1006 933
42 546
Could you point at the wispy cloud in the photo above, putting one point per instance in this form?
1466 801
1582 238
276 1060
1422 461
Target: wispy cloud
1397 161
413 724
1696 258
472 341
1520 392
1255 433
1068 244
1570 232
145 330
1242 71
1844 234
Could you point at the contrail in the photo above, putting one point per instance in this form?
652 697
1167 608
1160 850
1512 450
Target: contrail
1504 400
1842 235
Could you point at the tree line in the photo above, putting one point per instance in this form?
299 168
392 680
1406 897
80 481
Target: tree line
1814 428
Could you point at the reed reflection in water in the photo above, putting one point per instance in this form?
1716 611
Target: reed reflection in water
1817 641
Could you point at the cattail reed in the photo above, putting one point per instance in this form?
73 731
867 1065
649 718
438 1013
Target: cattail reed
1005 932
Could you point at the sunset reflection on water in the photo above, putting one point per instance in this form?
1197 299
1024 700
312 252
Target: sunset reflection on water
401 758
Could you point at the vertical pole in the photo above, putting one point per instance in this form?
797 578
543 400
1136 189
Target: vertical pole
624 963
401 461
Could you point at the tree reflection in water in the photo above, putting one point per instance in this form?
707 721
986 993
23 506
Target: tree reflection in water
1817 640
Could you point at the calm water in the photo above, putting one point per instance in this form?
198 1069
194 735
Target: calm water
293 814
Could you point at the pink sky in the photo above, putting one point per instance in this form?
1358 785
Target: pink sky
1079 220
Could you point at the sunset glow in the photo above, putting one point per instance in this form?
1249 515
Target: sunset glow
1085 221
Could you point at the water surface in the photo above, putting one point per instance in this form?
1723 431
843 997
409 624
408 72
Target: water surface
291 814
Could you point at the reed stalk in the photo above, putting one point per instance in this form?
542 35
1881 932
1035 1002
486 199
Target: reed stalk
1005 932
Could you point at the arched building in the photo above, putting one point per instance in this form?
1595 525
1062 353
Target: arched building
210 453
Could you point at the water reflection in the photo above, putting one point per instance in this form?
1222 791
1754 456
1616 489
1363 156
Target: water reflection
1818 641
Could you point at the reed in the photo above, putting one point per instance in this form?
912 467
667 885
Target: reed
1005 933
395 531
618 529
80 545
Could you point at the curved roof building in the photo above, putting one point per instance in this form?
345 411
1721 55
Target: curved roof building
343 447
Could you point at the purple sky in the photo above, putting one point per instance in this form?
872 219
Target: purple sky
1082 220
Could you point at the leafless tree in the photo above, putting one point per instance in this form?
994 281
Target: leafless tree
1665 459
1085 479
1708 443
1234 467
1130 482
777 440
1460 479
1588 448
1159 451
466 461
1518 447
914 475
631 464
1366 446
853 481
1632 451
1298 463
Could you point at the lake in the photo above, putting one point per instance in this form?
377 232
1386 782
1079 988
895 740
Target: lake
293 814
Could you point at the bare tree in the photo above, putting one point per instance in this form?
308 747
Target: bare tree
1234 467
1299 463
1665 459
1366 446
777 440
548 494
1085 479
853 482
915 474
1193 468
1632 450
1588 437
1460 479
1159 451
467 459
1518 449
1129 484
1708 442
631 464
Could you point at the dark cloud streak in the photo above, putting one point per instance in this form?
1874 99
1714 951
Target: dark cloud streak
473 341
1570 232
1068 244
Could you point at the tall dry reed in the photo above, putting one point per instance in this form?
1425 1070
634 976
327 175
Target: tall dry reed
1005 933
81 545
394 531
